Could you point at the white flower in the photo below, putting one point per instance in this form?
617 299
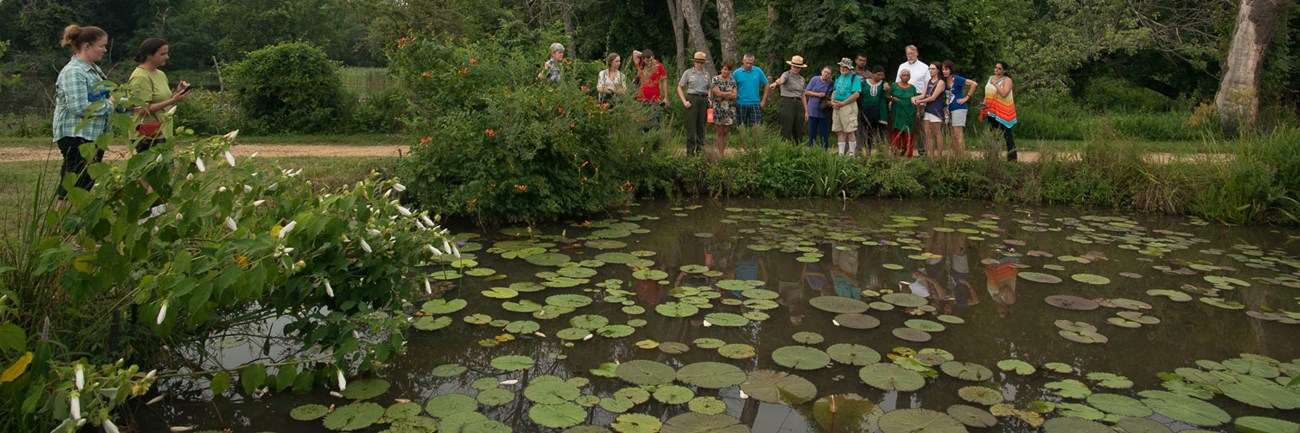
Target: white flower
588 337
365 246
259 202
707 324
189 176
427 221
230 158
434 251
109 427
74 401
155 400
404 211
198 162
336 394
427 288
81 377
343 383
222 189
329 290
455 251
151 375
158 159
230 224
539 334
162 313
248 188
399 187
231 135
254 155
288 228
374 232
446 246
835 322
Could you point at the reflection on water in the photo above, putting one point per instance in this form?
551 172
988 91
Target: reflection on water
963 257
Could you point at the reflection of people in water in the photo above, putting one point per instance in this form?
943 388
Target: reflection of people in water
815 279
750 266
1002 281
793 296
844 270
924 285
959 273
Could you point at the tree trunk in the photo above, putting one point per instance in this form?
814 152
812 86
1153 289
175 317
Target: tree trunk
727 29
566 14
691 11
771 24
1238 97
675 14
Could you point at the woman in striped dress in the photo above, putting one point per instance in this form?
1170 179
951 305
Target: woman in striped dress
1000 99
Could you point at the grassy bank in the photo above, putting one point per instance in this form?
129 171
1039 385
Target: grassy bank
358 139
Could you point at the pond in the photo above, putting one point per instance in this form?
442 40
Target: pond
789 316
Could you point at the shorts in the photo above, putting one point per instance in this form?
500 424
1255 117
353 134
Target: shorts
749 115
845 119
958 117
930 117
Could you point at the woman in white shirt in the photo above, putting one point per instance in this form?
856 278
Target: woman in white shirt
610 82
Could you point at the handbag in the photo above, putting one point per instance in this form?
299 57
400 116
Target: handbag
825 104
149 130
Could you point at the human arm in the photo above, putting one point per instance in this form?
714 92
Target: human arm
968 93
682 95
1004 87
938 91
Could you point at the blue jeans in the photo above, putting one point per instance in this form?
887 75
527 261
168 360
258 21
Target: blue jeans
819 126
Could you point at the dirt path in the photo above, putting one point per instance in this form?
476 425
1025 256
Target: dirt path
18 154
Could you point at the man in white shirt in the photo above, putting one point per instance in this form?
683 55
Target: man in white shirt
920 70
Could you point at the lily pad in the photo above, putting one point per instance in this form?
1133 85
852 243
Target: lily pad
636 423
691 422
980 395
857 321
444 306
919 421
891 377
1260 393
495 397
676 309
714 375
1074 425
1096 280
308 412
925 325
673 394
365 389
726 319
709 343
447 404
1259 424
906 300
1173 295
1020 367
1069 388
972 416
912 335
846 413
838 305
1186 409
615 331
707 405
1070 302
355 416
646 373
448 370
401 411
1039 277
1143 425
431 323
966 370
551 390
557 415
737 351
549 259
512 362
778 387
1119 405
807 337
801 357
853 354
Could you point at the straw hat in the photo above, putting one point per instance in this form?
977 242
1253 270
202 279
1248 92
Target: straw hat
700 56
796 61
845 62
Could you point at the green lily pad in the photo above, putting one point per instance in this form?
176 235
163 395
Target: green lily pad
445 275
807 337
853 354
778 387
634 394
550 390
760 294
1059 367
1081 411
512 362
972 416
1020 367
1110 380
674 348
1259 424
355 416
636 423
308 412
523 327
1119 405
1071 302
1039 277
559 415
365 389
714 375
1074 425
980 395
500 293
931 356
650 274
924 325
646 373
589 322
1222 303
401 411
572 334
737 351
1143 425
448 404
801 357
857 321
615 331
616 405
576 272
912 335
1186 409
676 309
495 397
838 305
1069 388
966 370
891 377
673 394
1173 295
726 319
709 343
846 413
919 421
950 319
449 370
480 272
444 306
691 422
431 323
549 259
1260 393
568 301
707 405
906 300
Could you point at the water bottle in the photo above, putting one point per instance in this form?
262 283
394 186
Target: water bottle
710 115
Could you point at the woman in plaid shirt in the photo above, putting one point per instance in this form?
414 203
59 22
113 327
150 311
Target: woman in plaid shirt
78 90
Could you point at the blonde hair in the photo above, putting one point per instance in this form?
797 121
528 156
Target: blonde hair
76 36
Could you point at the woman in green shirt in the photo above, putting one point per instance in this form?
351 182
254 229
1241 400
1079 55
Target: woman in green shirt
900 97
148 86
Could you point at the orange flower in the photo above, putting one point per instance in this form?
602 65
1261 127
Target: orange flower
584 88
472 61
573 126
521 188
584 164
463 71
559 110
490 133
426 140
586 223
427 75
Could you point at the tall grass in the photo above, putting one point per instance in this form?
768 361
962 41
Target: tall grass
365 82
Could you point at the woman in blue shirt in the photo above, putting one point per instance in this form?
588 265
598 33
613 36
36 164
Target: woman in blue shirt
960 89
819 124
77 91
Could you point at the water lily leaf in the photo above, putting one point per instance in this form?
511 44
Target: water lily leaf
1074 425
714 375
760 294
980 395
906 300
919 421
1186 409
616 405
1096 280
646 373
931 356
1259 424
1119 405
500 293
413 424
615 331
1110 380
708 343
523 327
966 370
650 274
448 404
1261 393
1072 326
807 337
1253 365
674 348
846 413
1220 280
950 319
512 362
925 325
549 259
1070 302
431 323
355 416
559 415
444 306
633 394
449 370
801 357
838 305
445 275
726 319
495 397
853 354
1039 277
912 335
400 411
1079 411
1222 303
691 422
480 272
1143 425
1020 367
589 322
891 377
1085 337
568 301
673 394
1069 388
1123 323
737 351
972 416
857 321
707 405
1173 295
551 390
365 389
636 423
778 387
676 309
308 412
1059 367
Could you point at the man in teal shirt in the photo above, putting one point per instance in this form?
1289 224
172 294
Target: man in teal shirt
749 105
844 121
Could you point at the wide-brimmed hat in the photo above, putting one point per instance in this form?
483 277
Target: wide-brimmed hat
700 56
796 61
845 62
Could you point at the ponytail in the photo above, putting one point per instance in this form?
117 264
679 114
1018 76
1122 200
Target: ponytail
76 36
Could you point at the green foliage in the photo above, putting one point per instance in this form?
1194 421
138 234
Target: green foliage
1111 93
209 112
289 87
383 111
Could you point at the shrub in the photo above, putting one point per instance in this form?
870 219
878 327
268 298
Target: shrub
1111 93
289 87
384 111
209 112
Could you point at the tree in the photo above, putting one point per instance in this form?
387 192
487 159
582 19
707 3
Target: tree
675 14
691 12
1238 97
727 29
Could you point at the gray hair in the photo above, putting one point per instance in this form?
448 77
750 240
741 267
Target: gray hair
911 47
557 47
749 56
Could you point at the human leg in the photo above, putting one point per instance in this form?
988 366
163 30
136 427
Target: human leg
74 163
721 131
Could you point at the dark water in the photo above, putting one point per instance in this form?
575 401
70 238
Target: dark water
1005 317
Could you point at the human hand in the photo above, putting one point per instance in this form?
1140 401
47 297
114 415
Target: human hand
762 104
686 104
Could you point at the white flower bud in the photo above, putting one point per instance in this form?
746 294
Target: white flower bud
365 246
343 382
198 162
81 376
230 224
287 228
74 402
162 313
329 290
230 158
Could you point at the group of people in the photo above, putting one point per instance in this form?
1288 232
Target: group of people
858 104
80 86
